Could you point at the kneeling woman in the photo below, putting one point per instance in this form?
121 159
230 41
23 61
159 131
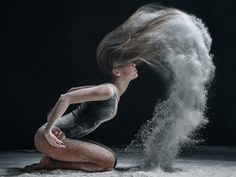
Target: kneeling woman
60 139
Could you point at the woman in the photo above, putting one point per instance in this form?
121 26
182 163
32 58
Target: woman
80 154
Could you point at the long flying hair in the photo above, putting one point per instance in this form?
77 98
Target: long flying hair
177 45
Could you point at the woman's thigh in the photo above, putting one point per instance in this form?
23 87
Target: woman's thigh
75 150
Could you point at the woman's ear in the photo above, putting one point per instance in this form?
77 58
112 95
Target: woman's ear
116 72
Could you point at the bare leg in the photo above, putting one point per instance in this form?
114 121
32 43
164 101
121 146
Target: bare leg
78 155
46 163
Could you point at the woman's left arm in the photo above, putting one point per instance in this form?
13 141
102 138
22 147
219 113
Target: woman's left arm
80 87
58 110
70 90
101 92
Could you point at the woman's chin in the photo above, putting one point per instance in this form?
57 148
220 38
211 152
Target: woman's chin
136 75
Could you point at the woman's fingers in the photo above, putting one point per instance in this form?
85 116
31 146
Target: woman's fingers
61 136
53 140
53 143
58 142
58 133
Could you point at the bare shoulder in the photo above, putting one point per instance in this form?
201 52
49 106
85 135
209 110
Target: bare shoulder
105 89
94 93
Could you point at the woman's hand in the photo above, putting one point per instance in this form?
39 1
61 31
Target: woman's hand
58 133
52 139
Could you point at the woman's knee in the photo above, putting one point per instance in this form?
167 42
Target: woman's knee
41 142
38 139
39 135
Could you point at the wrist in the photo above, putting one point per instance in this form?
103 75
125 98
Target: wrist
48 128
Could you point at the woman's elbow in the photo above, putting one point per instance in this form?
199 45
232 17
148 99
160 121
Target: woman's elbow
64 98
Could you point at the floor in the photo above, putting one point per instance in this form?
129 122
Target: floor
202 162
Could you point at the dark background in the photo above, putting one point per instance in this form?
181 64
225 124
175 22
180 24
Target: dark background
49 47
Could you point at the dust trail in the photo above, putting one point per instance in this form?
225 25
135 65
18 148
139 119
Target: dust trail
181 45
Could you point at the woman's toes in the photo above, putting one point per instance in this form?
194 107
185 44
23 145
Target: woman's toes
35 166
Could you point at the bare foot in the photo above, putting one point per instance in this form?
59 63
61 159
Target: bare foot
34 166
45 163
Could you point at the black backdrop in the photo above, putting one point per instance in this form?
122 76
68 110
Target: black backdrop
49 47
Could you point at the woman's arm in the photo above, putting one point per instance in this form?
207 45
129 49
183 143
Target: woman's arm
96 93
71 90
80 87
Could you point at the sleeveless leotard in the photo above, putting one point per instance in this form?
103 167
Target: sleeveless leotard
87 117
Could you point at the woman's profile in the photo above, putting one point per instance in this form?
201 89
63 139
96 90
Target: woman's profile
165 38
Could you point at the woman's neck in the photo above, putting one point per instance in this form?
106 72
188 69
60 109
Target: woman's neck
121 86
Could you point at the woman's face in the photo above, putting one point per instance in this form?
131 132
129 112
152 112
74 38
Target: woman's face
126 71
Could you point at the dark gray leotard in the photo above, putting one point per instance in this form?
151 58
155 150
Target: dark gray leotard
87 117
